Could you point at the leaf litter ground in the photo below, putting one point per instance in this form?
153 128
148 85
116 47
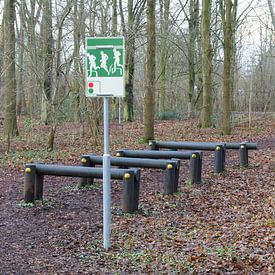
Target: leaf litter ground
225 225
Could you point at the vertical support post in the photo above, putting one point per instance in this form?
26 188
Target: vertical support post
243 155
177 174
153 145
29 182
219 158
136 188
86 162
119 153
200 166
130 192
38 187
195 168
170 177
106 180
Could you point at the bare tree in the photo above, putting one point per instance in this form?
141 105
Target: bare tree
10 122
149 100
270 6
130 32
164 25
207 54
193 23
47 63
226 10
21 107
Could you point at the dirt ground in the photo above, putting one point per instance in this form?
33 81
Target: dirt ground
223 226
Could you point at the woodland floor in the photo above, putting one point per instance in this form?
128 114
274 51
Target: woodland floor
223 226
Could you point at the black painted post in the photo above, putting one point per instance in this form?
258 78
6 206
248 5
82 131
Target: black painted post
38 188
195 168
86 162
170 177
177 173
153 145
200 166
219 158
243 155
119 153
129 196
136 188
29 182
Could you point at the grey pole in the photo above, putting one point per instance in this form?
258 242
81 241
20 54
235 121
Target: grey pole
106 180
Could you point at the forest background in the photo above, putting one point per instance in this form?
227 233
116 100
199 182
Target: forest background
184 59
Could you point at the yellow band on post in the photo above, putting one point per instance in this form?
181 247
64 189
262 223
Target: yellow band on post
194 156
169 166
127 176
218 148
83 160
28 170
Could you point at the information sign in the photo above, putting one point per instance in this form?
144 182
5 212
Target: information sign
105 66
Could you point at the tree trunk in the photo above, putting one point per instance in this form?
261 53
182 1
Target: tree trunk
21 100
149 100
1 62
78 19
271 13
34 79
192 22
10 123
114 106
129 65
206 112
164 22
47 55
227 71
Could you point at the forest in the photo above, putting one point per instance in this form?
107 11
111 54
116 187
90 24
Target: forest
193 71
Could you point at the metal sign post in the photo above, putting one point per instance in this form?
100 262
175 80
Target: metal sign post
106 180
105 78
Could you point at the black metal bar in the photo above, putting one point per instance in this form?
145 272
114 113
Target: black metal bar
170 183
170 177
130 193
86 162
153 154
243 155
29 182
128 162
219 159
177 173
38 188
33 181
189 145
77 171
153 146
195 168
237 145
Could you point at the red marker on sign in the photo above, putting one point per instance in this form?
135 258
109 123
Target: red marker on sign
91 84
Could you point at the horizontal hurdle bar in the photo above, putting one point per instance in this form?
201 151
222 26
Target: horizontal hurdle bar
171 168
195 159
237 146
206 146
218 148
153 154
34 177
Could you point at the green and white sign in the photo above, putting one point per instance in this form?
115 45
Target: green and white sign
105 66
